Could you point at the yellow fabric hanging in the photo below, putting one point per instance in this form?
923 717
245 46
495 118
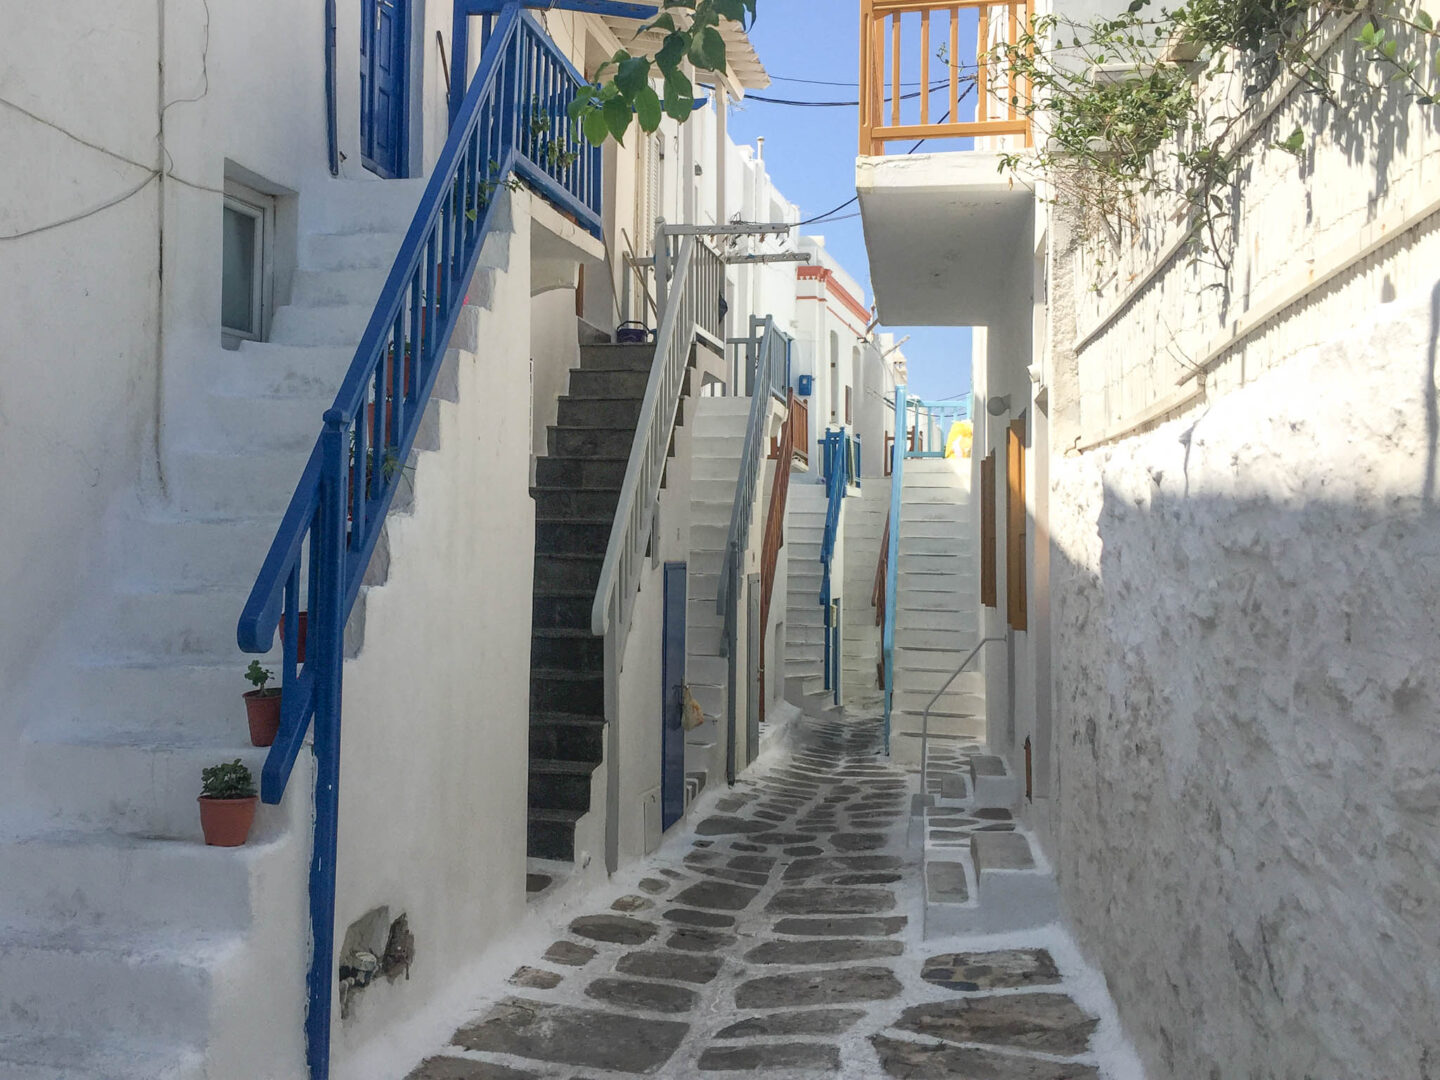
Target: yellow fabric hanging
957 443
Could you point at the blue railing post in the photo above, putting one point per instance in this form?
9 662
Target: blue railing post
892 555
326 637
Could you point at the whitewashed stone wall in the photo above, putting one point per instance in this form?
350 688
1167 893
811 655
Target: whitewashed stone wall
1150 313
1247 711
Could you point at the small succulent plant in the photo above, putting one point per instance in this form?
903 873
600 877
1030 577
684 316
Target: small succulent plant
228 780
259 676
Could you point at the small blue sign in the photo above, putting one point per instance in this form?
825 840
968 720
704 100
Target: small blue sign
805 385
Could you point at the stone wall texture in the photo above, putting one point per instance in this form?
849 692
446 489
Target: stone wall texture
1246 606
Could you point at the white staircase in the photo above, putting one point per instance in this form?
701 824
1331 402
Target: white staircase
866 511
716 446
937 608
128 949
804 618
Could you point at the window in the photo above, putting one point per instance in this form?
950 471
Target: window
247 235
987 530
1015 591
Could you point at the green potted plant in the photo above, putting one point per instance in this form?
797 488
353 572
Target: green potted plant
262 705
227 804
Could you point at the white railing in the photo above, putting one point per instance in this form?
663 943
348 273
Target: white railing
690 280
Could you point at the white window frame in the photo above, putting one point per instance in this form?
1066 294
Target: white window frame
261 208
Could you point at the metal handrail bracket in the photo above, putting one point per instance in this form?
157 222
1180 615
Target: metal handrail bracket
925 716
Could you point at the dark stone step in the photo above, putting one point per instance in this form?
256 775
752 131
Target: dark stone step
617 357
550 834
558 503
562 610
576 649
573 537
567 572
560 785
567 737
611 412
608 383
590 441
581 472
558 690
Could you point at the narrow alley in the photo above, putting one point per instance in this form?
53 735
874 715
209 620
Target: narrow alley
784 934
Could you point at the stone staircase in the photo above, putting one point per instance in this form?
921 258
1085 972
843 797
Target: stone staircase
804 618
866 511
577 489
937 609
984 873
128 949
717 443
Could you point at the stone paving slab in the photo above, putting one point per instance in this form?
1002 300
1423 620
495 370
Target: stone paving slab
764 1057
922 1061
1000 851
1005 969
597 1039
1051 1023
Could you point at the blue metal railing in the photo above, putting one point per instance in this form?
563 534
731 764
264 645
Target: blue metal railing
840 465
892 556
766 352
928 423
512 120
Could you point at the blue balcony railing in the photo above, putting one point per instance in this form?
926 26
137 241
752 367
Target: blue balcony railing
511 121
840 465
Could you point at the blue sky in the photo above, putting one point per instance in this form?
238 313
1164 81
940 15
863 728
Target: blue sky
811 155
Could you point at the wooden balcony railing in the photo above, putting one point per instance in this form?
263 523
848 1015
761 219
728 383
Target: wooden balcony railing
899 93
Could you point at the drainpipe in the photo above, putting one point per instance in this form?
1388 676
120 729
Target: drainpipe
722 137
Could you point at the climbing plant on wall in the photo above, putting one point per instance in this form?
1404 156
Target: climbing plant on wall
622 90
1154 100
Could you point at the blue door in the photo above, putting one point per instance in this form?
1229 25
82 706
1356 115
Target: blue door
672 682
384 85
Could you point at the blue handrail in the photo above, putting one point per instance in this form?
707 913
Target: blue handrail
840 465
512 120
892 556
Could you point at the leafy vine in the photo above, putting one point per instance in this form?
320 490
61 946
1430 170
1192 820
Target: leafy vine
1153 102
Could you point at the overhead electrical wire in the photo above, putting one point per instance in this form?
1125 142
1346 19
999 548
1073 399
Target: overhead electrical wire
853 200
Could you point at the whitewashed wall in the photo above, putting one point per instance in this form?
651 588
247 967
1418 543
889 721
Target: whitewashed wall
1244 629
79 302
435 746
1246 702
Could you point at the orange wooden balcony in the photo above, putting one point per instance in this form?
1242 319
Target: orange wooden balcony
905 81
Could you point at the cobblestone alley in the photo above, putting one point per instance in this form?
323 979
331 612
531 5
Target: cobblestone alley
784 937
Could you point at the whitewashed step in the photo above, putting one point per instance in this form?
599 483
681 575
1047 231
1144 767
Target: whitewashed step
331 288
959 600
956 623
949 544
365 205
173 550
931 529
179 624
266 368
950 703
234 485
349 250
967 683
707 669
108 881
159 985
336 325
72 1057
141 783
716 468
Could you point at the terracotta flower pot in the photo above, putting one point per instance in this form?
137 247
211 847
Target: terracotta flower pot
262 709
226 822
299 637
